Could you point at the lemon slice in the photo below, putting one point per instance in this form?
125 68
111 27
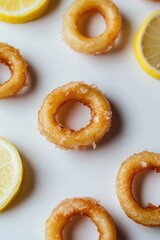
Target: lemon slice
20 11
147 45
11 172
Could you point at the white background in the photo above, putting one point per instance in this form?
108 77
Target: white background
51 174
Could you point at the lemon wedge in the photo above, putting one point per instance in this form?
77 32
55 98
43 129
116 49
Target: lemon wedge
20 11
11 172
147 45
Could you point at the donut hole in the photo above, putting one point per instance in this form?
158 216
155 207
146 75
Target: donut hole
91 24
74 115
146 188
80 227
5 73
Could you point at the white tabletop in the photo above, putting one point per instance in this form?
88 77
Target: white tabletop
51 174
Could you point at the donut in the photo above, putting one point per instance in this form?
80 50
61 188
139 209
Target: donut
91 45
150 215
66 138
18 68
86 206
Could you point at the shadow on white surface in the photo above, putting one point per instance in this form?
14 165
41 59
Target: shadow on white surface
5 73
121 234
152 1
32 82
116 127
74 115
28 185
80 227
124 38
53 5
146 188
91 24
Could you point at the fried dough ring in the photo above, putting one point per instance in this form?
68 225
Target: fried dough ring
18 67
150 215
86 206
91 45
67 138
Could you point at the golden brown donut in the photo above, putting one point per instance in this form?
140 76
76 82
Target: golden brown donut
66 138
86 206
91 45
18 67
150 215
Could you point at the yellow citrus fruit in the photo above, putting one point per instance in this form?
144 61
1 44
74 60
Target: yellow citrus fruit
11 172
147 45
20 11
